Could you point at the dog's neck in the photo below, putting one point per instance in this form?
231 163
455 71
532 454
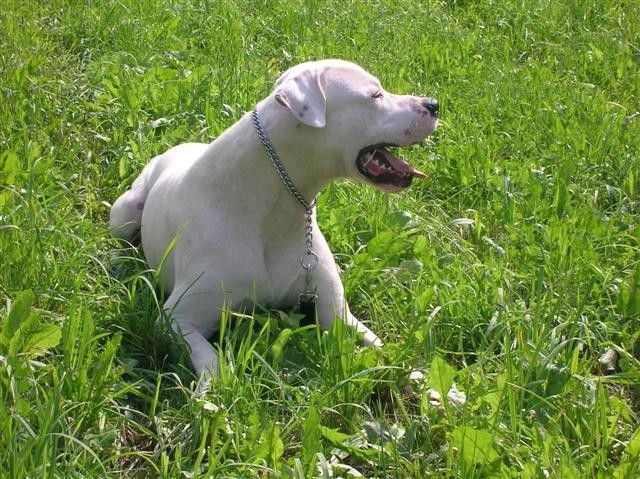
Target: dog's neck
304 157
278 165
251 170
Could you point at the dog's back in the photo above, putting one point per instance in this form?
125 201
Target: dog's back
126 212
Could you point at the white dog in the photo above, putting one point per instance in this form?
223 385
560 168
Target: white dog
234 233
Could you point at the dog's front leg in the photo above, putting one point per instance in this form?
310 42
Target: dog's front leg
203 356
332 304
331 300
369 338
193 316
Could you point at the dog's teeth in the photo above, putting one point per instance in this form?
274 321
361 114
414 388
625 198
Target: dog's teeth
369 157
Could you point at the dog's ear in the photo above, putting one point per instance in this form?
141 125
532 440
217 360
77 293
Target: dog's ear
303 94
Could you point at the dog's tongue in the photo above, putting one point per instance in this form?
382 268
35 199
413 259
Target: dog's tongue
400 165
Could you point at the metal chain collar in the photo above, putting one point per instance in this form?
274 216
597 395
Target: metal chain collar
308 259
282 172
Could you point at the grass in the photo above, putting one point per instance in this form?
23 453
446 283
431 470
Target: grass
509 272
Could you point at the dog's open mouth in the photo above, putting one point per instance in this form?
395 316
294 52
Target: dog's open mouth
384 169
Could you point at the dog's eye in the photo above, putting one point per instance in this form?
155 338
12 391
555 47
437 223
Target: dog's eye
377 95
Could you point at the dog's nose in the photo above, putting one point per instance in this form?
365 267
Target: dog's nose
431 105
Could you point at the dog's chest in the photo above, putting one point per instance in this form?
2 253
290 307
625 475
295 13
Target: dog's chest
284 276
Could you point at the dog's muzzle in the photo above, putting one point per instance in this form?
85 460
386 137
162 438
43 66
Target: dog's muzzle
431 105
384 169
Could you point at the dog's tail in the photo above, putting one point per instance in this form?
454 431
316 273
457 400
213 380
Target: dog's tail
126 212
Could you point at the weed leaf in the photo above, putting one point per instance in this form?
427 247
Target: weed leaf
271 446
629 458
423 301
41 338
633 447
334 435
441 376
19 312
474 446
311 432
279 344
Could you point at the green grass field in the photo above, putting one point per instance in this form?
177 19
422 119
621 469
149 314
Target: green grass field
509 272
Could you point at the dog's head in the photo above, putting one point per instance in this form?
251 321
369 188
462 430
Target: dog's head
356 120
